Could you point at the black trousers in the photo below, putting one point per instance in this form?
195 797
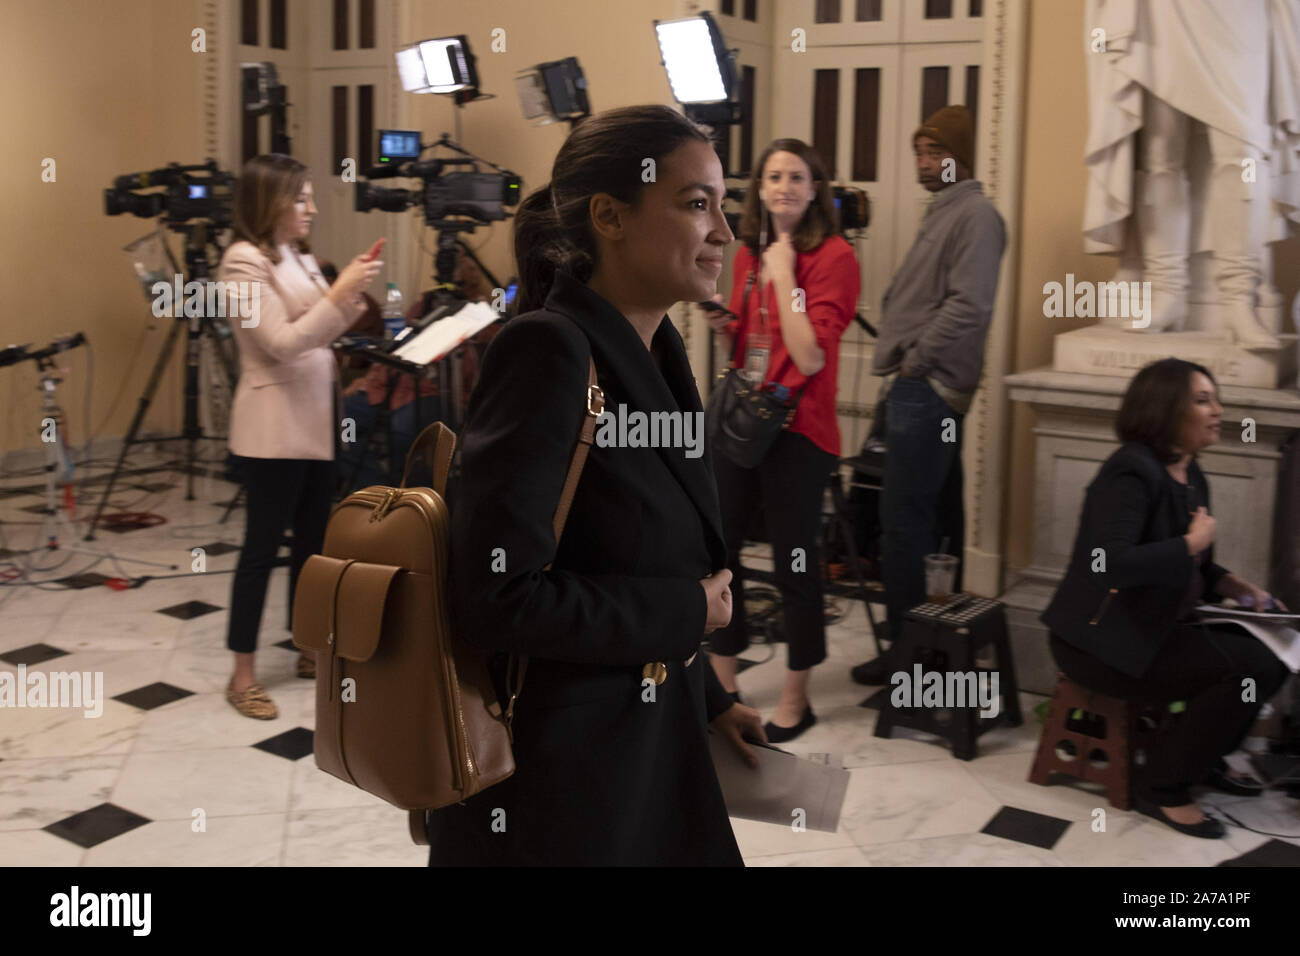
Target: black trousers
280 493
1205 666
789 484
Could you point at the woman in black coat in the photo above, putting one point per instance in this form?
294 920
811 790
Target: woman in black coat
610 768
1122 621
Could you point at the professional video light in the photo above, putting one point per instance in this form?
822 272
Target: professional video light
444 65
553 91
700 68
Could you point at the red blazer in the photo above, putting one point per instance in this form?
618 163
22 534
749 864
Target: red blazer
830 280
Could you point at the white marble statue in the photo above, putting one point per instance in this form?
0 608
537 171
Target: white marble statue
1194 147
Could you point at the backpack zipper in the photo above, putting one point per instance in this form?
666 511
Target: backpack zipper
1102 609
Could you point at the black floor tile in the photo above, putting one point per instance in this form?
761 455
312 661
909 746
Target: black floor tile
287 644
80 581
1272 853
153 695
31 654
217 548
292 744
1025 826
189 610
92 827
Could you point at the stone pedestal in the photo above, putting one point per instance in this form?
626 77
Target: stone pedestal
1254 491
1099 350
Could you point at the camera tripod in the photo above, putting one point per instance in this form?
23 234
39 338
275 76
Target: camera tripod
197 269
54 522
447 299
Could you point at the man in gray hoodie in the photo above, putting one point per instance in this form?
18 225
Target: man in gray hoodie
934 320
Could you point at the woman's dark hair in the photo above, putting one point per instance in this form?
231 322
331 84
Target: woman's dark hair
604 154
1156 406
818 220
268 187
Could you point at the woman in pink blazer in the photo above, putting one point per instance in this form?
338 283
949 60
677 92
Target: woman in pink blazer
283 420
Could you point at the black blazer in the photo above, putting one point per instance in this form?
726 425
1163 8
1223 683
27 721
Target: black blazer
602 776
1131 512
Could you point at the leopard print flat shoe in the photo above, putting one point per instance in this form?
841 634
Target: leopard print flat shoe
306 667
252 702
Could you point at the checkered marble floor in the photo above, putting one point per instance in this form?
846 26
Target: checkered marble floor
128 787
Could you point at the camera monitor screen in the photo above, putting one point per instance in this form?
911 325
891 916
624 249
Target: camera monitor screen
396 145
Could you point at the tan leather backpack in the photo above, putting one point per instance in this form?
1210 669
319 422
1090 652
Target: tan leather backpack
404 708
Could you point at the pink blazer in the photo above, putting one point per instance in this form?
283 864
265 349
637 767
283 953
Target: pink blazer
284 403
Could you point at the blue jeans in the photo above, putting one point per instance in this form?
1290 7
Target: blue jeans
921 501
357 467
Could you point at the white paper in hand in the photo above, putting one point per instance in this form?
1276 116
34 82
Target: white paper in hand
782 784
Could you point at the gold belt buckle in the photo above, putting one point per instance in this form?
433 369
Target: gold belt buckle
655 672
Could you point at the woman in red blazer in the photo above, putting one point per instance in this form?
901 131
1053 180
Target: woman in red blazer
795 289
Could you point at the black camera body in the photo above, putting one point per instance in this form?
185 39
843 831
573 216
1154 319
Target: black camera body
480 196
853 206
191 192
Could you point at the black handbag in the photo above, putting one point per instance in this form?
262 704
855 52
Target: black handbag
741 421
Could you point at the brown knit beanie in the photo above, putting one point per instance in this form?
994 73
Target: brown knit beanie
951 128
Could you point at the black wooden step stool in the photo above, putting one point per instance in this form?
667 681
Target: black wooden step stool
948 641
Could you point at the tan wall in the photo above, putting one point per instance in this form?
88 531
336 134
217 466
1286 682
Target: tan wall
615 45
103 89
1056 110
110 88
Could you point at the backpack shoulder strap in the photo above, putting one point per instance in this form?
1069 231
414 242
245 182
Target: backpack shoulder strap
437 443
586 435
518 663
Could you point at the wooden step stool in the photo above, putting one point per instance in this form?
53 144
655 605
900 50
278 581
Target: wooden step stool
1116 742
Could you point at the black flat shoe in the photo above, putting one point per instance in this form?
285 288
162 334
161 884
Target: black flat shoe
1207 829
872 673
779 735
1246 787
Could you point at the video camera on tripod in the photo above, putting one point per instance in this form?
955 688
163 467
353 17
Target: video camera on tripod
196 201
452 203
480 196
191 192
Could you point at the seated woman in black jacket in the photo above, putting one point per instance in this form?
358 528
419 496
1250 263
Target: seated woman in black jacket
1122 621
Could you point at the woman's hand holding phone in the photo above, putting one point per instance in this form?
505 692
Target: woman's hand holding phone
718 316
357 276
